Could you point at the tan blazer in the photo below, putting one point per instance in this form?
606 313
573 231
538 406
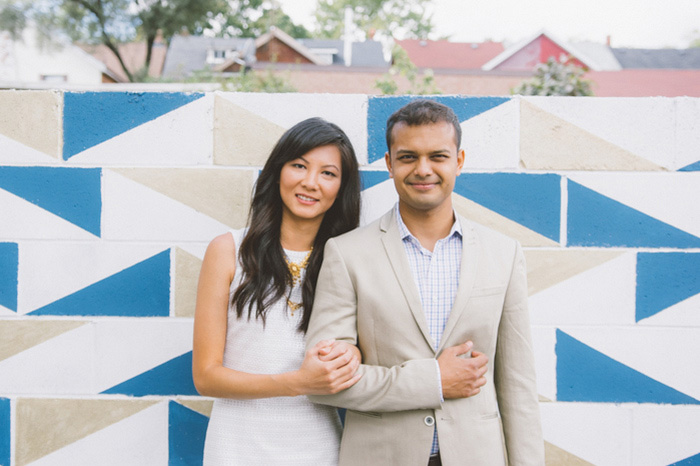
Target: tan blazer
366 295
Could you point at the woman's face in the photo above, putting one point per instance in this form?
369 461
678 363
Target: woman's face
310 184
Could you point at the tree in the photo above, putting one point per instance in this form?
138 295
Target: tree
276 17
402 66
253 18
388 18
111 22
556 78
694 39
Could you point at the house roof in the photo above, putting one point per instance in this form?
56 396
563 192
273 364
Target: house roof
134 56
275 33
187 54
591 58
443 54
363 54
679 59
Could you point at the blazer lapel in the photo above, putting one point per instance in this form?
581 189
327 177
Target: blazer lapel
393 246
467 277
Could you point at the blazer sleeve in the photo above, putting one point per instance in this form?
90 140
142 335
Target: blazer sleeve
514 373
413 384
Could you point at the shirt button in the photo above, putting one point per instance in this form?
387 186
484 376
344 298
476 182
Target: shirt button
429 421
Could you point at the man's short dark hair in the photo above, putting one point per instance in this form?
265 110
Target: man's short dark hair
423 112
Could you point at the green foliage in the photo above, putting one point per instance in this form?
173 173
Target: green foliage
248 81
12 18
253 18
278 18
695 39
111 22
419 84
402 18
556 78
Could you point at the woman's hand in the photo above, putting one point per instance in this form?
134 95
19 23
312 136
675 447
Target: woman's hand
329 367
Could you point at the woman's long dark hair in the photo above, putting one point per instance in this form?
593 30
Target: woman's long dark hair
266 277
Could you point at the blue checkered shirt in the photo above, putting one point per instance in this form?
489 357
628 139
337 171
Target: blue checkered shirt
436 274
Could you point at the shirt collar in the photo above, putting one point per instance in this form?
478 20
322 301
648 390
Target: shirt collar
405 233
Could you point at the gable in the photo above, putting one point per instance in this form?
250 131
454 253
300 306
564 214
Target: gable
277 51
537 51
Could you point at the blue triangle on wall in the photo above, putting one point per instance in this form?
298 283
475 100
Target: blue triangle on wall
381 108
186 433
142 290
74 194
584 374
691 461
597 220
693 167
371 178
533 201
664 279
90 118
5 431
9 263
173 377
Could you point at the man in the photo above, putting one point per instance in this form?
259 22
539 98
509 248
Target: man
438 307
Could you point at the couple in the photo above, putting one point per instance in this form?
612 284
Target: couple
432 305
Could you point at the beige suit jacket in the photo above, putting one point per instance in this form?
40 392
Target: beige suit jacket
367 295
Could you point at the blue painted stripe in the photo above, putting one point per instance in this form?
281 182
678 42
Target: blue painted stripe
691 461
597 220
142 290
90 118
171 378
584 374
9 265
74 194
186 433
373 178
533 201
693 167
5 423
664 279
380 109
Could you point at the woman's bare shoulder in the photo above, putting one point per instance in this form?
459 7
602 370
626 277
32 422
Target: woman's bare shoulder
222 251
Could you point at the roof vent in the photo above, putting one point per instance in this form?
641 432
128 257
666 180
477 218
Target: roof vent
474 46
423 43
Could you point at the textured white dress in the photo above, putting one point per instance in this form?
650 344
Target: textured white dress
269 431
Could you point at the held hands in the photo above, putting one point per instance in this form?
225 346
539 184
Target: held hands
329 367
462 377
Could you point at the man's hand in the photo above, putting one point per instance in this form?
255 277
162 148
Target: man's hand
462 377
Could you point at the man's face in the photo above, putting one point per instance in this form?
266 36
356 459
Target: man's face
424 162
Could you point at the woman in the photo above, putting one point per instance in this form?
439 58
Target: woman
254 299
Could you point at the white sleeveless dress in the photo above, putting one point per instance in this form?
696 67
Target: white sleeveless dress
269 431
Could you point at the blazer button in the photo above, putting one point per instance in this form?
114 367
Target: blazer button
429 421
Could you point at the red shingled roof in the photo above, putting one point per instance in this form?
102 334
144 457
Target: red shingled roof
442 54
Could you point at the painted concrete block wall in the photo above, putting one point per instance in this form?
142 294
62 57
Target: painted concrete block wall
108 200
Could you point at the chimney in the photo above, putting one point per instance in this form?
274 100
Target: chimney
347 39
607 40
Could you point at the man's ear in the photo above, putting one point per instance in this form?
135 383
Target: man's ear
387 159
460 159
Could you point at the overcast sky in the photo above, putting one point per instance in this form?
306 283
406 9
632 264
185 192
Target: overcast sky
629 23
